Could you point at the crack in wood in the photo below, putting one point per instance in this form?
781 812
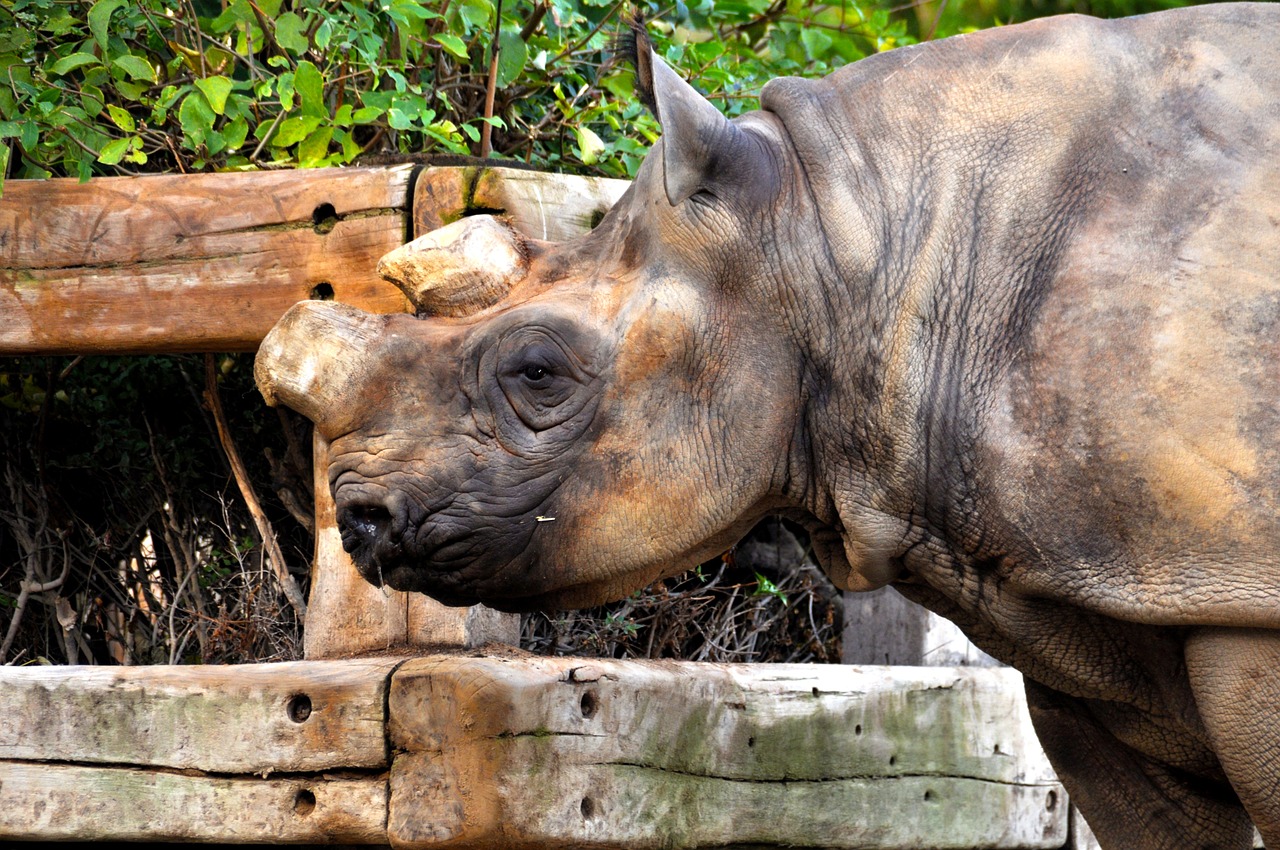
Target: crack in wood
1047 785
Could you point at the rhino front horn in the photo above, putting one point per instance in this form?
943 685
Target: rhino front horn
315 357
458 269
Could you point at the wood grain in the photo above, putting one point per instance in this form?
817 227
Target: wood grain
189 262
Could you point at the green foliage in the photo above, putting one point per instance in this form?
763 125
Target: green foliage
187 85
162 85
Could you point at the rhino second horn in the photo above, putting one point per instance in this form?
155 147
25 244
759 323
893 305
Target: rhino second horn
314 359
458 269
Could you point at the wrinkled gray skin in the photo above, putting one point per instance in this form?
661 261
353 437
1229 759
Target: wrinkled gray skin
997 318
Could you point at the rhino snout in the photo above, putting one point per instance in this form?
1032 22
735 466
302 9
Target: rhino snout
371 536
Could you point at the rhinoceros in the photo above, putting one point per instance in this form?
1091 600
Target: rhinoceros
996 318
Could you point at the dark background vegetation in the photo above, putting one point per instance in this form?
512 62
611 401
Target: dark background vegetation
124 537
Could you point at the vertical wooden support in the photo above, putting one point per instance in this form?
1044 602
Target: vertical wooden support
346 615
884 627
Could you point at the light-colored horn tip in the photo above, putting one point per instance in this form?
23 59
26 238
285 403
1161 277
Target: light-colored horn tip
458 269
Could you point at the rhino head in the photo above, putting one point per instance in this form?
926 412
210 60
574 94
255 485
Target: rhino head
560 424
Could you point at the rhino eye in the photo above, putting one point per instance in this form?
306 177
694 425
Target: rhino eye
534 374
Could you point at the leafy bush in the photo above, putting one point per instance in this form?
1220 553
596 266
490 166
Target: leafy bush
187 85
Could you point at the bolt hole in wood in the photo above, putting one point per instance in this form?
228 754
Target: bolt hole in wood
751 742
299 708
857 730
304 803
1051 801
928 795
325 218
588 705
322 291
588 807
893 760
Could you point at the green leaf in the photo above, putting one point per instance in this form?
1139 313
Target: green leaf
453 44
100 20
195 117
215 89
367 114
4 166
236 132
315 146
590 146
121 118
284 88
30 136
294 130
398 119
215 142
131 91
309 84
291 33
92 99
816 42
113 152
413 9
68 64
136 154
323 33
136 67
512 53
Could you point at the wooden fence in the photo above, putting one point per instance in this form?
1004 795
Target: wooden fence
414 748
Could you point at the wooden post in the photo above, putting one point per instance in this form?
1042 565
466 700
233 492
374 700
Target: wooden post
883 627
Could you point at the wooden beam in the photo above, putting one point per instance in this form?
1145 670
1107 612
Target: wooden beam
55 802
203 262
551 207
252 718
556 752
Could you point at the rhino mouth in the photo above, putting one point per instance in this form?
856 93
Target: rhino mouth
437 556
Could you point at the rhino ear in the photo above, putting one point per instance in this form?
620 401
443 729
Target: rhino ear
692 129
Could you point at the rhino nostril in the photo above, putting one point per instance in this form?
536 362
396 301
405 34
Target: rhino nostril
363 525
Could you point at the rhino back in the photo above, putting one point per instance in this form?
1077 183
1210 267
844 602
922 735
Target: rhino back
1060 245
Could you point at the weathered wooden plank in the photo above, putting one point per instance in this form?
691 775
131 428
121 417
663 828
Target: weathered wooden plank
76 803
189 262
552 207
252 718
547 752
347 615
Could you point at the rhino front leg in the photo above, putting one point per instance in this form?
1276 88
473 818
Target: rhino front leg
1235 675
1132 802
